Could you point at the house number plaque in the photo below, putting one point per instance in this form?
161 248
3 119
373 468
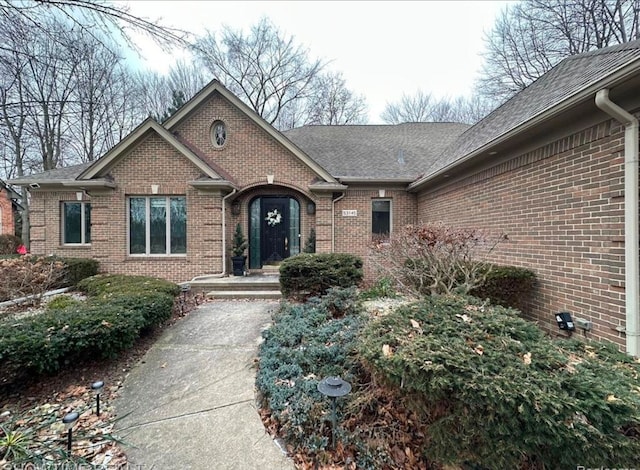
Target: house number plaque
350 213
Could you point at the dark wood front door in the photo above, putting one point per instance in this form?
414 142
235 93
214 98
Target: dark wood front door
275 229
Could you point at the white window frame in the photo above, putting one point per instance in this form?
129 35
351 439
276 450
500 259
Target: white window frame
147 226
83 231
390 201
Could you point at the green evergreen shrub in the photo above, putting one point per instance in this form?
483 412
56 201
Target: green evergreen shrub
509 286
310 244
306 275
9 244
108 284
497 393
63 301
239 243
77 269
118 309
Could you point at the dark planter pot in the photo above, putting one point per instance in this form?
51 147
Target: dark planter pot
238 265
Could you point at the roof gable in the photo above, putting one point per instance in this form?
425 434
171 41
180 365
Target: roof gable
216 87
101 166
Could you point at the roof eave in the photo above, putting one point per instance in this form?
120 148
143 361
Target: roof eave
372 179
65 184
582 95
327 187
212 185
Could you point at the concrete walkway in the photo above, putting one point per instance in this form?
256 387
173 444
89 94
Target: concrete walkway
190 403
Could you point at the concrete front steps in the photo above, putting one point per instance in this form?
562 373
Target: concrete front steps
253 286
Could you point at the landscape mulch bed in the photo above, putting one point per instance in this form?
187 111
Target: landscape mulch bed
37 405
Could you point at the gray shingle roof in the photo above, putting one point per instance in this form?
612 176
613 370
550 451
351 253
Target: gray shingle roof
565 80
64 173
401 151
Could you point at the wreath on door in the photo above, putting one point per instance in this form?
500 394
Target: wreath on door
273 218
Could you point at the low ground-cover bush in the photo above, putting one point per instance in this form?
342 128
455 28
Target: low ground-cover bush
311 274
306 344
494 391
118 309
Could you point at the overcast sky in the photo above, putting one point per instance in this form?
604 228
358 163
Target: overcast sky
383 48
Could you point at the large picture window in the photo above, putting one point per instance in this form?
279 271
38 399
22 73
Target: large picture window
158 225
381 218
76 223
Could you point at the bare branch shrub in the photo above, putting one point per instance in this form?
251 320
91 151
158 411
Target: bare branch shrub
435 258
29 276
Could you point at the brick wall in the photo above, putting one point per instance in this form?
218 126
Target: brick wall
249 155
562 207
6 213
354 234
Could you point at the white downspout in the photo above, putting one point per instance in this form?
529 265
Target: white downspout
333 221
631 242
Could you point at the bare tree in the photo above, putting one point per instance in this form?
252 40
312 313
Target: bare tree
267 70
532 36
94 18
422 107
334 104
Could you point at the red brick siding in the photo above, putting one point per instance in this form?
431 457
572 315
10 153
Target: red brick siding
562 209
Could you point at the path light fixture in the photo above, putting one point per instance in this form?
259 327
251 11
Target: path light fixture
333 387
69 420
96 388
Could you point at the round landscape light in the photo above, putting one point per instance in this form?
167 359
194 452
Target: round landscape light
70 419
96 387
334 387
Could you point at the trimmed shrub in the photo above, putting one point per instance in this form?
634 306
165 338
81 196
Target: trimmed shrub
63 301
312 274
118 309
77 269
509 286
106 284
155 307
9 244
495 392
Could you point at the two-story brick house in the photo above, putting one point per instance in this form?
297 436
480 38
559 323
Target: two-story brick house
547 168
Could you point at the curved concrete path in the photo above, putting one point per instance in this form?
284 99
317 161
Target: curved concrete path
190 402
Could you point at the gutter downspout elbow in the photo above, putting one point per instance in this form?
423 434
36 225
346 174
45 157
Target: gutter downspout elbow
631 239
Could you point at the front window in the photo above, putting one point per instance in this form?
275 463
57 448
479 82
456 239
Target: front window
158 225
76 223
381 218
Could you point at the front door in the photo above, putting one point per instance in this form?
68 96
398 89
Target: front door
275 229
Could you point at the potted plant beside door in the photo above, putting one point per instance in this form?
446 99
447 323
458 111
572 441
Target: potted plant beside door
239 245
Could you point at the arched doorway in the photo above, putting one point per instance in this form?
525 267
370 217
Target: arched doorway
274 229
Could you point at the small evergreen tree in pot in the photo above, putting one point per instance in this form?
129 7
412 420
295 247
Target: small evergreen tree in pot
239 246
